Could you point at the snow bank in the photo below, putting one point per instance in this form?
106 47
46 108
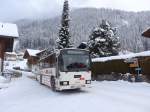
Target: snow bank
7 29
126 56
3 79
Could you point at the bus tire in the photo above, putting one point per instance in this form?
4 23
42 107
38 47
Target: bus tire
36 78
53 85
40 79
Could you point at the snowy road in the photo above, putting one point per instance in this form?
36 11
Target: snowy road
27 95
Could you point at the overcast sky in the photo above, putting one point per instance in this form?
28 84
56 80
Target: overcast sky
11 10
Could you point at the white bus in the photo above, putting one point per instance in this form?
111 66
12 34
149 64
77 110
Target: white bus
65 69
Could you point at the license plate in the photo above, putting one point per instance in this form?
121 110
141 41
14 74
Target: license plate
77 76
77 82
72 87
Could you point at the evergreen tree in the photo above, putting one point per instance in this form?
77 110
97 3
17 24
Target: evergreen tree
63 40
104 41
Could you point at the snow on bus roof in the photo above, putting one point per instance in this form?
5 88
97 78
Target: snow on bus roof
8 29
33 52
126 56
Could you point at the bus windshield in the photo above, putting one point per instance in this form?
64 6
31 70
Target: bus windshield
75 62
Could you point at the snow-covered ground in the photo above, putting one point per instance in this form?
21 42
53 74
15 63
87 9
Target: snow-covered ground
27 95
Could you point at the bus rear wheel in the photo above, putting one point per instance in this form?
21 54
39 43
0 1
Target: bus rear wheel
53 85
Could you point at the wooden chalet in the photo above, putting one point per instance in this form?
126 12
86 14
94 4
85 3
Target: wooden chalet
146 33
8 37
32 58
145 61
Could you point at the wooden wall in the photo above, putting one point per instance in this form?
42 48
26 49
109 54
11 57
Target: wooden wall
145 65
116 66
2 51
32 60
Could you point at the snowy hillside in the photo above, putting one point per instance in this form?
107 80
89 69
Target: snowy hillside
43 33
27 95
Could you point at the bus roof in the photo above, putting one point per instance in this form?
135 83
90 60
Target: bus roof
74 49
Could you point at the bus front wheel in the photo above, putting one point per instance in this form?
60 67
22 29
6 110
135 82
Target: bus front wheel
53 83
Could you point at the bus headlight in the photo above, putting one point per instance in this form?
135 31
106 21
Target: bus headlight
64 83
88 81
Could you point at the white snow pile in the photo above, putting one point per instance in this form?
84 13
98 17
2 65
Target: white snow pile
32 52
8 29
27 95
126 56
3 79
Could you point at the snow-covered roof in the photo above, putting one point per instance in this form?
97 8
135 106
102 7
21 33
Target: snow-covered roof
41 51
10 53
8 29
32 52
126 56
146 33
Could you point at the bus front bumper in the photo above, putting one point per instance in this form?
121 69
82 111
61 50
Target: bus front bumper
67 87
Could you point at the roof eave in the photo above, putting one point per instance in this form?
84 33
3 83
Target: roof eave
146 33
5 36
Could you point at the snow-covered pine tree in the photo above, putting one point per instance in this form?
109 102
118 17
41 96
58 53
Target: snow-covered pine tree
63 40
104 41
